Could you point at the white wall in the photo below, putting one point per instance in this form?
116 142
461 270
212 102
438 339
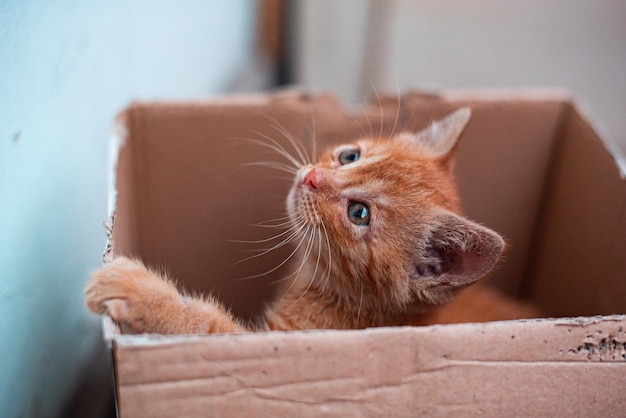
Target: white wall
66 68
579 45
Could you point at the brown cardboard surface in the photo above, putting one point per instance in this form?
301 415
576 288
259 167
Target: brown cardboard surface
535 368
529 166
581 264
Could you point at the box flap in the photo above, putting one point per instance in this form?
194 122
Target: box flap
580 267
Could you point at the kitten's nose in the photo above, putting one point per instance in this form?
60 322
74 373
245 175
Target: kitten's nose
310 179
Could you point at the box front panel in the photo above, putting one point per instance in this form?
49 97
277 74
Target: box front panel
535 369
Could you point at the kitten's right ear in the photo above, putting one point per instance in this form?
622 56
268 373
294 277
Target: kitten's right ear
440 138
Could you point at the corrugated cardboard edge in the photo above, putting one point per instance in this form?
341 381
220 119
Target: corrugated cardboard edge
577 325
111 332
376 371
117 140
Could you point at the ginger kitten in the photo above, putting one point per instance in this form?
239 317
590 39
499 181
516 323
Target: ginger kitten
386 244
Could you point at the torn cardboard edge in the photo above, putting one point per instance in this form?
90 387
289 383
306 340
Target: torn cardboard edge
598 338
117 140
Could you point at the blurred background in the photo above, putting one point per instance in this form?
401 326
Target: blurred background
68 66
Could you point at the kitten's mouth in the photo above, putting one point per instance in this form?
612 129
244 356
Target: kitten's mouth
308 207
302 200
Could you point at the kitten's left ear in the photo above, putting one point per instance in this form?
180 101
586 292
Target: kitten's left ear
441 137
457 252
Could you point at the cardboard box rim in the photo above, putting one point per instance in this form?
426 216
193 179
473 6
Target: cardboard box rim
590 348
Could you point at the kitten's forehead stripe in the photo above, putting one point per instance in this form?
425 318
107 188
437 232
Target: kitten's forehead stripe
377 176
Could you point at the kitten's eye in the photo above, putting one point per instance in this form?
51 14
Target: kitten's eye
349 156
359 213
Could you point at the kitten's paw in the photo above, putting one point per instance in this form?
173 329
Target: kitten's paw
123 289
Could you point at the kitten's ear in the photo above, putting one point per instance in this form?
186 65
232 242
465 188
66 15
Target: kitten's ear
441 137
457 252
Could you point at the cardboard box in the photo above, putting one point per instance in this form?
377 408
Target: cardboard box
530 166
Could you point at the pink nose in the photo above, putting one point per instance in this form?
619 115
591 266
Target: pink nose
310 179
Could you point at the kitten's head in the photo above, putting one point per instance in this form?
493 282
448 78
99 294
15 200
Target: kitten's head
388 221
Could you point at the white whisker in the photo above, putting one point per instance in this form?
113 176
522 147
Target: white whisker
297 146
369 123
274 165
380 108
319 250
282 263
395 122
277 147
266 224
282 218
273 238
297 271
304 259
314 132
361 127
358 315
275 247
330 259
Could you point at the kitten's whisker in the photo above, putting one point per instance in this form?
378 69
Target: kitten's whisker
287 223
281 264
282 218
380 108
282 279
273 164
314 133
408 120
369 123
307 251
297 146
275 226
273 238
297 272
319 250
361 127
275 247
282 153
276 146
395 122
330 255
304 259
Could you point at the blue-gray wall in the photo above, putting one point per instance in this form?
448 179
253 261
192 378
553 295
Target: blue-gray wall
66 68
